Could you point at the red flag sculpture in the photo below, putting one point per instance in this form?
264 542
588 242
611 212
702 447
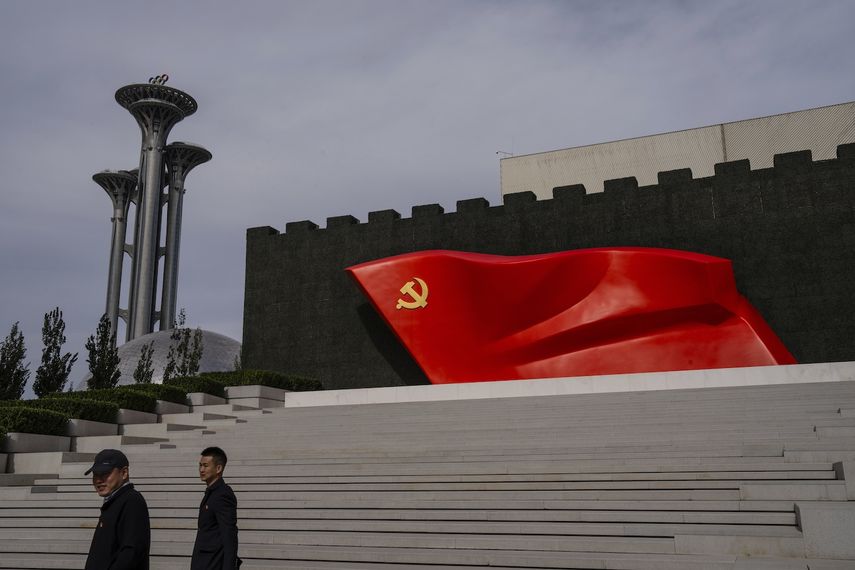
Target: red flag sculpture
468 317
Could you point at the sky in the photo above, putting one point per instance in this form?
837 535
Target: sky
323 108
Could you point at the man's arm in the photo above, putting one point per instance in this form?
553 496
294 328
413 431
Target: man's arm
225 512
134 534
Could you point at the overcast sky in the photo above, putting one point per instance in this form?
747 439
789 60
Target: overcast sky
324 108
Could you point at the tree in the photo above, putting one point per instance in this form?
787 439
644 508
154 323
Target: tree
13 372
143 372
53 372
185 352
103 357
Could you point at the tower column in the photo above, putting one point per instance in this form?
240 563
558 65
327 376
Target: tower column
157 109
181 158
120 187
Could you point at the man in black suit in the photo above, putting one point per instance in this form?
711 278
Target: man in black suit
122 538
217 534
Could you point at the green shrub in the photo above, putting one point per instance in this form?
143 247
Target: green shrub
198 384
264 378
2 433
81 408
33 420
159 391
126 399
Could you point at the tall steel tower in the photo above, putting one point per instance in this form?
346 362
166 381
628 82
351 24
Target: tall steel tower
181 158
120 186
156 108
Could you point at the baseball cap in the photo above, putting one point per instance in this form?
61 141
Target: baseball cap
107 460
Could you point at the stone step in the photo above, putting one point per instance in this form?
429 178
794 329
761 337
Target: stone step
830 456
448 427
712 474
734 477
178 542
83 500
18 479
776 491
194 418
591 438
835 432
253 530
582 410
158 429
565 452
247 454
779 546
14 493
299 558
580 414
167 515
285 458
51 462
226 409
94 444
747 490
473 468
473 496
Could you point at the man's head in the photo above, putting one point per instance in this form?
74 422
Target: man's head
212 462
109 471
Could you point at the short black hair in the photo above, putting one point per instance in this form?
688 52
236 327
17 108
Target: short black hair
218 455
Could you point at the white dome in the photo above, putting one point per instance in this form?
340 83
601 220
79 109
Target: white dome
218 354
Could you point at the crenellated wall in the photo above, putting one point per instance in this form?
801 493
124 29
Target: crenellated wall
789 230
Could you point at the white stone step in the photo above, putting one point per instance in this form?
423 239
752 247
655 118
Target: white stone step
776 491
94 444
34 517
733 478
230 410
779 546
194 418
297 560
176 541
455 484
159 429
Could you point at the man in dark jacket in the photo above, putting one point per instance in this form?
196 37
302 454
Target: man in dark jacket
122 539
217 534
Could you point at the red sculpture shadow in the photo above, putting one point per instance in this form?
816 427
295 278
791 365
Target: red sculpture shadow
468 317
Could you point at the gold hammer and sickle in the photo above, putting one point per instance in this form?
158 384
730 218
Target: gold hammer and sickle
419 300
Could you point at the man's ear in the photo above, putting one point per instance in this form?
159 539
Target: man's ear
125 473
219 468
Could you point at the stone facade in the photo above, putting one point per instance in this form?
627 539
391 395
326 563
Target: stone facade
789 230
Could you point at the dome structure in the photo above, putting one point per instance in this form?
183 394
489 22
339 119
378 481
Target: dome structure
218 354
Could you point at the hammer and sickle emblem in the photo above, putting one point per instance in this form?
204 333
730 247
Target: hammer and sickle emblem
419 300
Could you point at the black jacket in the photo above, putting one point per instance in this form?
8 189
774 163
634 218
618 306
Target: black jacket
217 535
122 539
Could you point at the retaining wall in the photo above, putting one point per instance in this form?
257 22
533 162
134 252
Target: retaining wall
789 230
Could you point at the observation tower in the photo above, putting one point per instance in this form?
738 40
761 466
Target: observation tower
156 108
120 187
181 158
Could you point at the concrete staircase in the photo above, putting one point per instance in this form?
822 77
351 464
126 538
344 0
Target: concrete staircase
744 477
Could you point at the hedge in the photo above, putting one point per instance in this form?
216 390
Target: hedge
264 378
32 420
198 384
159 391
83 409
123 398
2 433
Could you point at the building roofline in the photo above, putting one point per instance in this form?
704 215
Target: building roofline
677 131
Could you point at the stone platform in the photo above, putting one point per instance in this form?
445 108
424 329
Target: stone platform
740 469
